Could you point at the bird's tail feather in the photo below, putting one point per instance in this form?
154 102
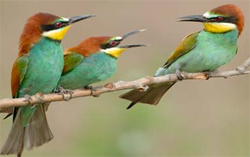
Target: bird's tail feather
14 143
152 96
38 131
35 134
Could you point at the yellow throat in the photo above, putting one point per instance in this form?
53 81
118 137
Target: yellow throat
115 51
57 34
215 27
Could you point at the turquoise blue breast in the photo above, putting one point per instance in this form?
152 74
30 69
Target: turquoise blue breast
95 68
44 69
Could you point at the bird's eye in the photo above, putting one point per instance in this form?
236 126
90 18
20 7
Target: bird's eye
219 18
113 43
58 24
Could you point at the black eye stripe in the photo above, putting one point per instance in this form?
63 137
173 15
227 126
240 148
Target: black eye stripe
108 45
53 26
225 19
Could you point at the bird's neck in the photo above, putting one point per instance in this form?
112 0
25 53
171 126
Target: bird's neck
26 46
46 46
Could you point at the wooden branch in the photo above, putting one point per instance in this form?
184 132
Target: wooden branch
140 84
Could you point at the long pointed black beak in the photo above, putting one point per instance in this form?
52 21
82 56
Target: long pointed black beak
132 33
194 18
79 18
132 46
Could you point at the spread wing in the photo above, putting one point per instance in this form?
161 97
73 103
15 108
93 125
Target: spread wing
19 70
71 60
187 44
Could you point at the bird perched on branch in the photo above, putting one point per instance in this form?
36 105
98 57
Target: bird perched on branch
203 51
93 60
37 68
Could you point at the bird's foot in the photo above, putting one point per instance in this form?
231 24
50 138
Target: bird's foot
40 98
208 75
141 88
179 74
92 90
89 88
27 98
66 93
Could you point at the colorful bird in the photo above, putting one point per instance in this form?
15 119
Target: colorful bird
37 68
203 51
93 60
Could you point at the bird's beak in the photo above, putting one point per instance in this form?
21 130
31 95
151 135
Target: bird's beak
194 18
132 33
131 46
117 51
79 18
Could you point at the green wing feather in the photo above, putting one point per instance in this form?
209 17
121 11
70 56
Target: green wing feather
187 44
71 60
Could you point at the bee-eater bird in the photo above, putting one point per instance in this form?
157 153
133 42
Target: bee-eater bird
93 60
203 51
37 68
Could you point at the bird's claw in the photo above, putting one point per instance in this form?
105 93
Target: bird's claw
179 75
92 90
27 98
208 75
142 88
89 87
66 93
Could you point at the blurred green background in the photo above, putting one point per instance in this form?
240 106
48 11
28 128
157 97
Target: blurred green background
195 118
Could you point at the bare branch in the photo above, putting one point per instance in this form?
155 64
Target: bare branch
140 84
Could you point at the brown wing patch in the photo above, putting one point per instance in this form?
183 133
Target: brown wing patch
19 69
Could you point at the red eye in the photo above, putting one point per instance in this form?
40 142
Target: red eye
219 18
58 24
113 43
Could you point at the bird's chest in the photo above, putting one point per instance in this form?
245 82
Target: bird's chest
211 52
44 69
98 67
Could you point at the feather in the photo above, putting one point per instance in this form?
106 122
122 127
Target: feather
187 44
35 134
152 96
